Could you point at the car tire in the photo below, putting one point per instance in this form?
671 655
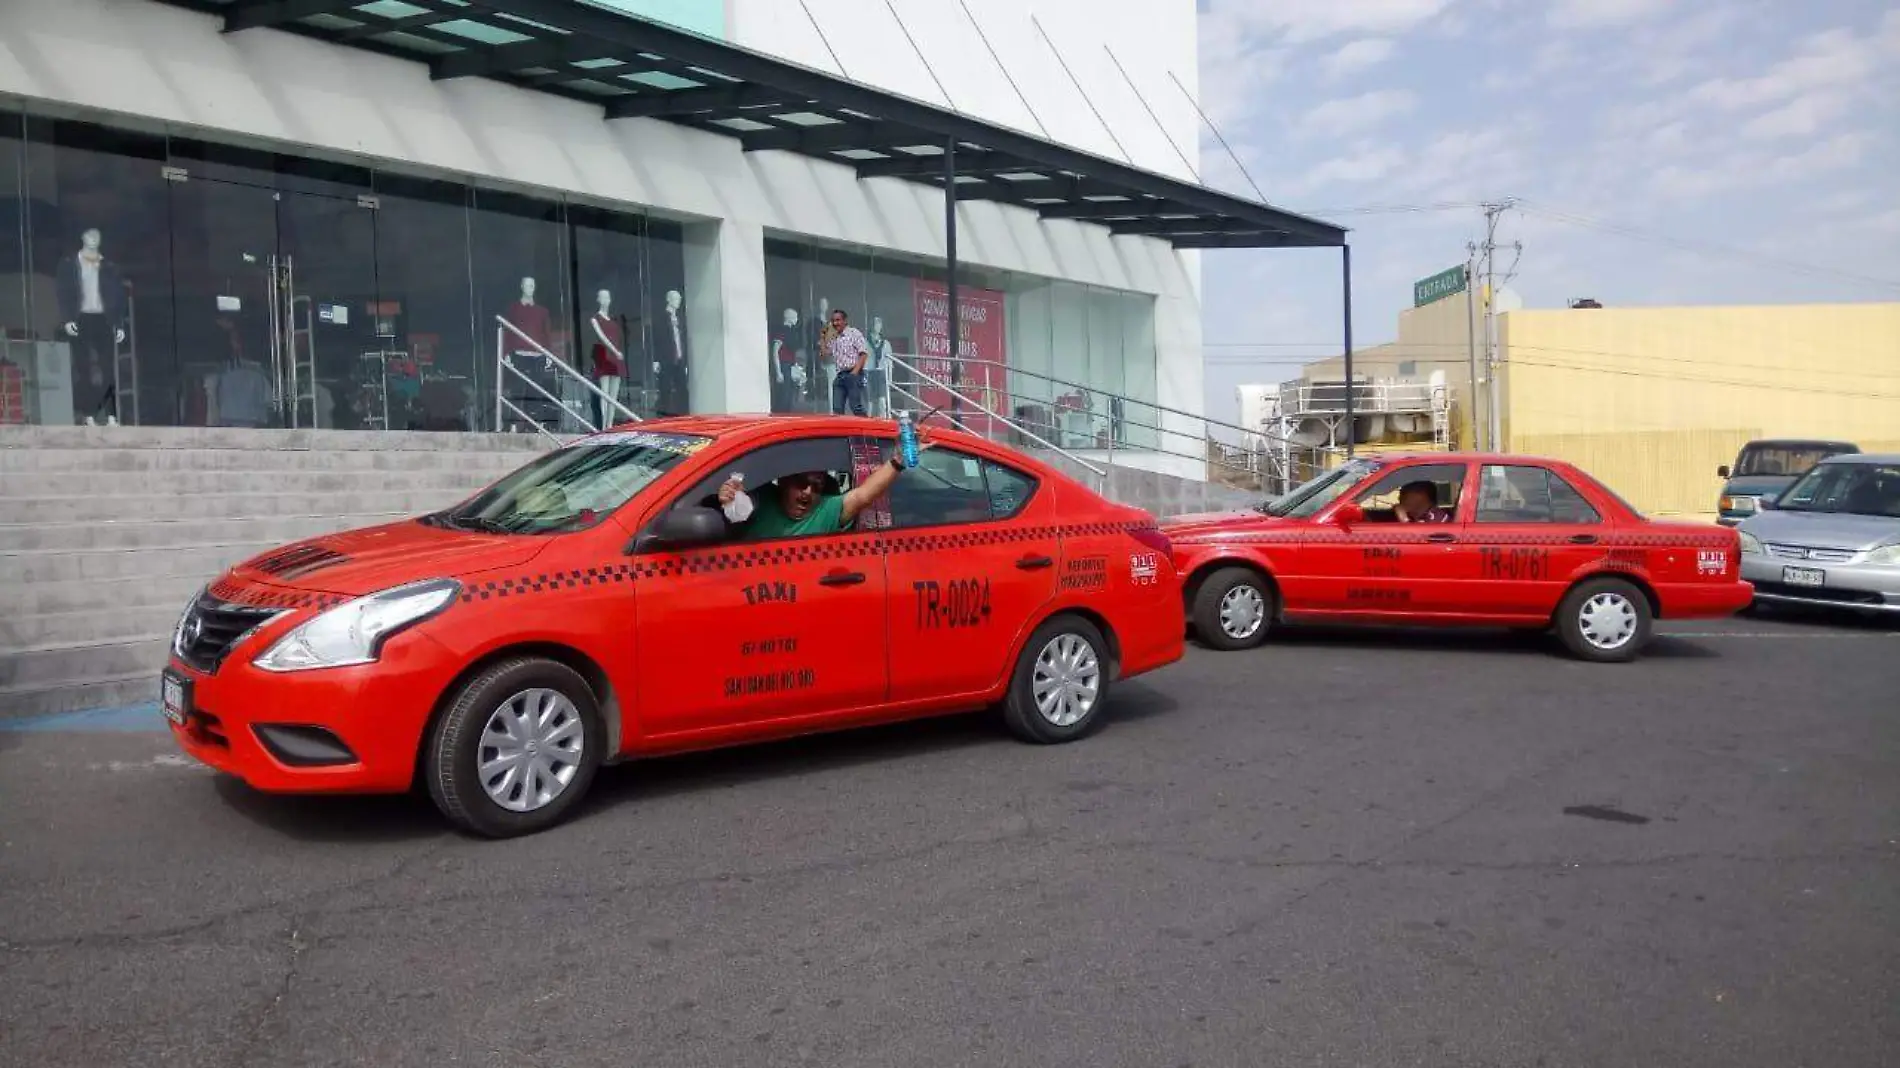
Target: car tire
540 712
1605 621
1234 609
1066 656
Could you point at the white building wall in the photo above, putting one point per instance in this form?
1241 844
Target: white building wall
167 65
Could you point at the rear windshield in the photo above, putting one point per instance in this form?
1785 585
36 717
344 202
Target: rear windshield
1789 460
575 487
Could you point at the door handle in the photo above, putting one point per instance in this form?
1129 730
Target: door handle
1583 539
1034 563
1441 537
842 578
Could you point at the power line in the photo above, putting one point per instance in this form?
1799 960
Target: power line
1151 114
822 39
1318 351
1776 386
1064 64
921 58
1231 154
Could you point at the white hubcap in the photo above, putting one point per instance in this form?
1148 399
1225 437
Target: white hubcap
1067 680
530 750
1607 621
1242 612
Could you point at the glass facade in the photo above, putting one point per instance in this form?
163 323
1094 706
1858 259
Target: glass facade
1073 363
149 278
152 278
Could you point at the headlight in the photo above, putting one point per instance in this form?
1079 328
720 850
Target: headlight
354 633
1886 554
1750 543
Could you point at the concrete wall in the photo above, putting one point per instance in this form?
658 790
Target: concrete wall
1652 400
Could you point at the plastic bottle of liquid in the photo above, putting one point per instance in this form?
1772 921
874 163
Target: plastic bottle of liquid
907 439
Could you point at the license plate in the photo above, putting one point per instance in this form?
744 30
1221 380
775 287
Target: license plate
174 696
1812 577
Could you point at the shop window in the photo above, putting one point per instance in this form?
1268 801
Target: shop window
422 323
523 309
18 356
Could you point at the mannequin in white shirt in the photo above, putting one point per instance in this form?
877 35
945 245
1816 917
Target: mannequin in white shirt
788 365
92 307
671 369
878 382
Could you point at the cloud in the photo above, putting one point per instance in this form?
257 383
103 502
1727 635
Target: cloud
1804 116
1355 56
1298 21
1835 58
1346 116
1367 164
1591 14
1238 69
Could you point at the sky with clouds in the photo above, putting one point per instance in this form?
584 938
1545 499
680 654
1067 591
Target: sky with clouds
1665 152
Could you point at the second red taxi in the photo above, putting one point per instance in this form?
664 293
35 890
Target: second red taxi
685 584
1461 539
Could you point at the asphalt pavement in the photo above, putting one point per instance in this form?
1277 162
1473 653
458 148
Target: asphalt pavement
1348 848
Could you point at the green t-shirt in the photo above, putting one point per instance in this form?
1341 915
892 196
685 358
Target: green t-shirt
770 521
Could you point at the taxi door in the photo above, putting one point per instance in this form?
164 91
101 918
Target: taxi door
1530 534
1381 567
755 631
973 555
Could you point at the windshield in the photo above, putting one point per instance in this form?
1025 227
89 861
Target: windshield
1854 489
573 488
1789 460
1310 497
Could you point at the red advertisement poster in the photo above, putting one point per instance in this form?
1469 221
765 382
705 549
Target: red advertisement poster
981 340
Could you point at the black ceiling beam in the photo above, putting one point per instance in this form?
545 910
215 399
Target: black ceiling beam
911 165
262 14
1156 227
1106 209
1261 239
940 124
876 136
476 61
410 23
694 103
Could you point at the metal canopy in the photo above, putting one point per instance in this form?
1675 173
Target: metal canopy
636 68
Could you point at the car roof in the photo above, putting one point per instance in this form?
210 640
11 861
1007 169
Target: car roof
763 425
1799 443
1463 457
1864 458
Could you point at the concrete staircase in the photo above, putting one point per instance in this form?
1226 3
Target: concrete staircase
106 532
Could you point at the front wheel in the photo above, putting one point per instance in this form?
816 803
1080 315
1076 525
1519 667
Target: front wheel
1061 683
1605 621
1234 609
516 749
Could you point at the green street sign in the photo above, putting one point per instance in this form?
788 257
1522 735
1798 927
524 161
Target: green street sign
1439 286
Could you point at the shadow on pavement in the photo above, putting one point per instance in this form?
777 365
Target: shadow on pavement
408 817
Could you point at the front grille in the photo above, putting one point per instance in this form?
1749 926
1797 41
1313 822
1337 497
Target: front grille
211 627
1802 552
1821 595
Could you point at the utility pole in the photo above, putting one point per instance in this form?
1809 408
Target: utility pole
1471 345
1490 249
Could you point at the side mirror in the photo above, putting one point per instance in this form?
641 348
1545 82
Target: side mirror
1722 471
1348 514
683 528
1764 504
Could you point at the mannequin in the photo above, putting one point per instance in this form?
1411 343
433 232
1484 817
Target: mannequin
92 315
825 337
610 358
877 383
672 366
533 321
788 363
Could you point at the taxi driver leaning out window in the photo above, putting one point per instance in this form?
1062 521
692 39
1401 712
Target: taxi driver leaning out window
801 507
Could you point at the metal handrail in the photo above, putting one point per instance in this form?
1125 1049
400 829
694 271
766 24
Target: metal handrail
978 405
503 363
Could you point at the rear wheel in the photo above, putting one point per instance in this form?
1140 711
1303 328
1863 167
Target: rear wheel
516 749
1234 609
1604 620
1061 682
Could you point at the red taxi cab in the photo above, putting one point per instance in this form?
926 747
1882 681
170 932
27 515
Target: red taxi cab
1455 539
601 603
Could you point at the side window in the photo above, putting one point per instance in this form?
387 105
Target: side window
945 487
765 468
1010 489
1447 482
1514 494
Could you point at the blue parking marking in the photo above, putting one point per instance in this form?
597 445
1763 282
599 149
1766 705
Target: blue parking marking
138 718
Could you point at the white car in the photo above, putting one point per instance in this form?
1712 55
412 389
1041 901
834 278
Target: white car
1832 539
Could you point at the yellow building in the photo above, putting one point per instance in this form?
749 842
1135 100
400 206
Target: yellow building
1652 400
